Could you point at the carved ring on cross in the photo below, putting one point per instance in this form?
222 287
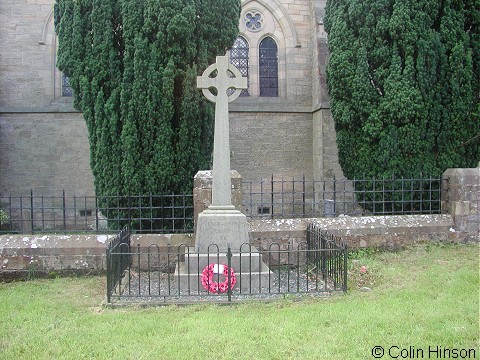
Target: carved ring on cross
231 69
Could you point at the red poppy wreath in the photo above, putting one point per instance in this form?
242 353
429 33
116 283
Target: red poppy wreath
217 287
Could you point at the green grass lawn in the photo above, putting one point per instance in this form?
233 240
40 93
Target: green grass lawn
425 296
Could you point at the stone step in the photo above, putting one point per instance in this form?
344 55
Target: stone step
246 281
246 262
250 271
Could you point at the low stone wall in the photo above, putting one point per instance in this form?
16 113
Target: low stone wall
388 232
87 252
72 252
385 232
153 250
52 252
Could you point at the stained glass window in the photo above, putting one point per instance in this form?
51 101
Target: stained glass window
66 88
239 58
268 67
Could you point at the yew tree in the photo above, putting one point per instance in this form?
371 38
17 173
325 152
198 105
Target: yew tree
132 66
404 82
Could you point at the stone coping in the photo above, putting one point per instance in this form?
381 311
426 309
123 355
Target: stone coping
70 252
350 224
81 242
267 229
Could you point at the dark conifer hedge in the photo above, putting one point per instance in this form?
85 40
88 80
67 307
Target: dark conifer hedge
404 81
133 66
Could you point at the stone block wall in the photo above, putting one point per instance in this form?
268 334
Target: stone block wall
47 153
325 164
27 51
324 149
81 252
43 140
263 144
461 199
387 232
320 54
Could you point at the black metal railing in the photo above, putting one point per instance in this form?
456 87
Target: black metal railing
116 265
171 213
164 213
178 274
333 257
300 197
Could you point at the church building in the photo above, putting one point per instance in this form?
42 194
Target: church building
280 125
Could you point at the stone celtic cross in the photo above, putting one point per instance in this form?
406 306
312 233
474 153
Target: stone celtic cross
227 77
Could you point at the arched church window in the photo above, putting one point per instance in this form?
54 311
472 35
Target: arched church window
268 67
239 58
66 87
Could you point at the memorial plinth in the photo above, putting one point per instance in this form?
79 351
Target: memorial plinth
202 192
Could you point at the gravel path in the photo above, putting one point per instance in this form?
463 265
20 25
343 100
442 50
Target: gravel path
159 287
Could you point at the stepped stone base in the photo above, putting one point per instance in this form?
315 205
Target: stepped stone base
250 271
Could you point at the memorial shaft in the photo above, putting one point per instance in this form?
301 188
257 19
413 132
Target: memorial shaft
221 184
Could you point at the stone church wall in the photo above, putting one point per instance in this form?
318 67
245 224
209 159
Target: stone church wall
44 152
27 53
325 152
274 135
43 140
271 143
